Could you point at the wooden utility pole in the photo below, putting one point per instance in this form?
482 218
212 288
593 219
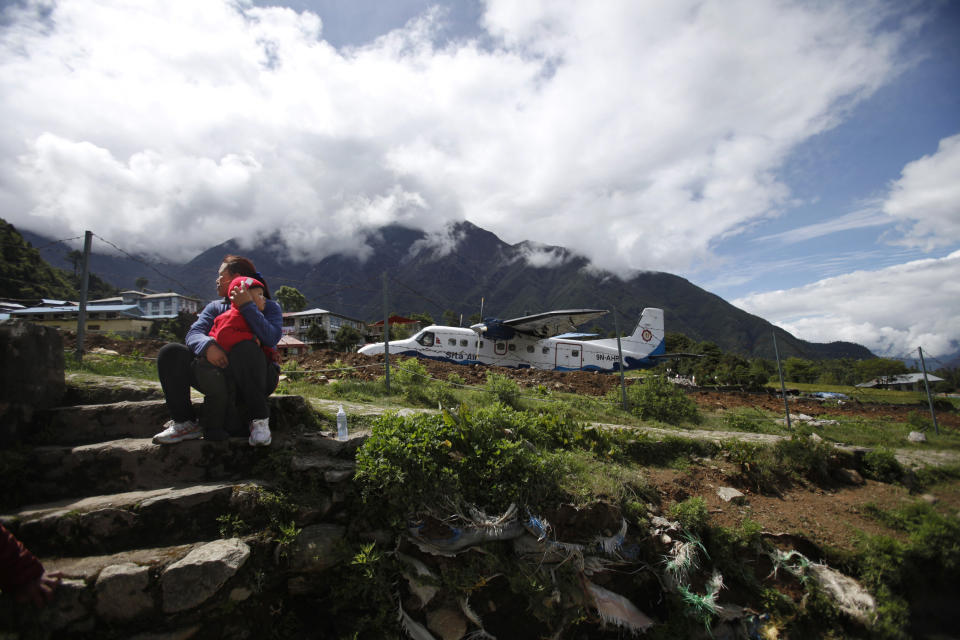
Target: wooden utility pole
623 384
84 277
386 332
783 388
926 384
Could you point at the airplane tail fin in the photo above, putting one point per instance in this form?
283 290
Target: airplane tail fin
647 338
649 333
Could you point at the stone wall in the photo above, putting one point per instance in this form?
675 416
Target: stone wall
31 375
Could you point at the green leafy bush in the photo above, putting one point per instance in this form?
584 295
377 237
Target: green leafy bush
692 514
881 465
412 379
417 463
903 574
804 456
657 399
503 389
919 421
749 421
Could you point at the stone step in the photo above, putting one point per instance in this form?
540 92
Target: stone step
109 523
149 591
56 472
85 424
60 472
89 388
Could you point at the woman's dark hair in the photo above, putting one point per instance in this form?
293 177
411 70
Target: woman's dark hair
240 266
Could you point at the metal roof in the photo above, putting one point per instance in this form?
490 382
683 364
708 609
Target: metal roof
99 308
906 378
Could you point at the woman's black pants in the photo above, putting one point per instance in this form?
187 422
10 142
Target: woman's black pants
249 379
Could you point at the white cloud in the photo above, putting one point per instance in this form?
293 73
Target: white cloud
926 198
542 256
891 311
636 134
868 216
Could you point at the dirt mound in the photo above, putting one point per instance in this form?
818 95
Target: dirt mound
334 364
328 364
146 347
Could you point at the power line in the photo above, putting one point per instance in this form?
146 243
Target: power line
146 264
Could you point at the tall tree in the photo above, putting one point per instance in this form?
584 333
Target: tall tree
425 319
141 283
347 338
75 257
317 333
290 299
450 318
24 274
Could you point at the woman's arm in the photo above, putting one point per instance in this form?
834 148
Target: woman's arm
197 337
267 326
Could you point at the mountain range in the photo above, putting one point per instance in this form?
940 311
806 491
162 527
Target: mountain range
433 274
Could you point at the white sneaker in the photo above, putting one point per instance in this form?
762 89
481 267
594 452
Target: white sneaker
260 433
177 432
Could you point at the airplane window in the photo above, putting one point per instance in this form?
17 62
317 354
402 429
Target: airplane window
512 347
452 342
481 344
426 339
463 343
529 348
546 350
574 353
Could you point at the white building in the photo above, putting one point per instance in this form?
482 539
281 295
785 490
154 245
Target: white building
154 305
298 323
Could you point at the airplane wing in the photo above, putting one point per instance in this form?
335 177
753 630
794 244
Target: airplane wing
542 325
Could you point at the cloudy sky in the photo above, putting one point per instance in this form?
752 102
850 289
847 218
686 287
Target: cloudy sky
799 159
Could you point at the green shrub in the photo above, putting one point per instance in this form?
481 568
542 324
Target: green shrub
442 394
758 465
902 574
418 463
804 456
919 421
503 389
882 465
411 378
692 514
657 399
749 421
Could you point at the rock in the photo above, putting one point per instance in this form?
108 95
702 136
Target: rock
447 623
100 351
333 477
850 597
240 594
314 549
69 606
106 522
729 494
816 438
122 592
196 577
179 634
930 499
31 375
32 371
848 476
917 436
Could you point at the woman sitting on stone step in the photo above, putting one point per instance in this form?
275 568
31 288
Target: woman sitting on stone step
247 372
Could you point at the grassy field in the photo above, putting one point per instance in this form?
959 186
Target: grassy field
412 387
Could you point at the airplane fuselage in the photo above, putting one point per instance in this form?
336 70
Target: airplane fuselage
464 346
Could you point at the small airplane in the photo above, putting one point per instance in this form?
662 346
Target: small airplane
537 341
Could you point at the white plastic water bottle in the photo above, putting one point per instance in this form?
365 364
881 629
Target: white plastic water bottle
341 424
